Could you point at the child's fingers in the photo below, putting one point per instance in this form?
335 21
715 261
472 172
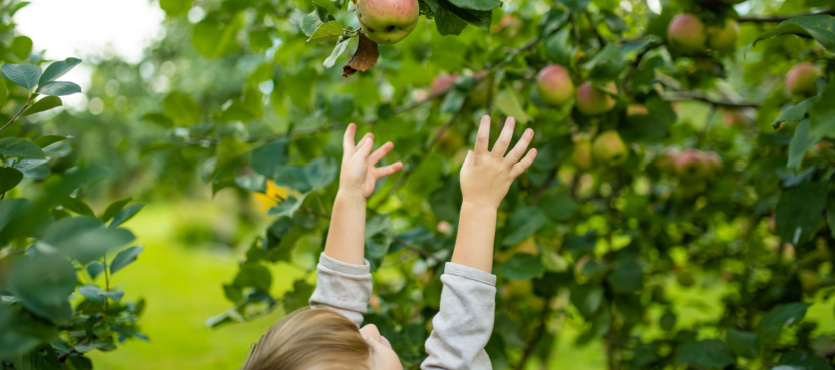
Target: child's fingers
468 160
388 170
367 144
521 145
348 140
523 166
483 137
380 153
503 142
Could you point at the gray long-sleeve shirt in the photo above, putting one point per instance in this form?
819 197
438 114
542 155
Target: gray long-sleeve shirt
461 328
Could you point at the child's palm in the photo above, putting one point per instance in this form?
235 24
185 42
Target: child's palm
359 173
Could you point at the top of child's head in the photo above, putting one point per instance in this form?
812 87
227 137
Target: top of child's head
320 339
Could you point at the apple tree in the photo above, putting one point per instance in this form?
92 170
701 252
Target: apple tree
685 158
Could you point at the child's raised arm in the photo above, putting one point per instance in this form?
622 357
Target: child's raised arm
344 279
464 323
346 238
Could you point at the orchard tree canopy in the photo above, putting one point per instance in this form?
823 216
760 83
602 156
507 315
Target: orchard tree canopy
677 214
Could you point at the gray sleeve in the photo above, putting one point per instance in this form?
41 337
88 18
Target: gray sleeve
464 323
342 287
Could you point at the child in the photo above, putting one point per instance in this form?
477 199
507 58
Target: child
330 339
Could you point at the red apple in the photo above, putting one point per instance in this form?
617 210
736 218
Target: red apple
554 85
582 154
686 33
442 84
592 101
387 21
690 165
801 79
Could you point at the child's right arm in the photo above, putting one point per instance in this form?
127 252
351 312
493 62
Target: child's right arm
464 323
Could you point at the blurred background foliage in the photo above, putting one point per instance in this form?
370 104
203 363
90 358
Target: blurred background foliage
230 131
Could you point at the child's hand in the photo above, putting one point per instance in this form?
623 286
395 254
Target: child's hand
486 175
358 172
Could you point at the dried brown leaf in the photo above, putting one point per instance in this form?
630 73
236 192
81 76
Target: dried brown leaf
365 57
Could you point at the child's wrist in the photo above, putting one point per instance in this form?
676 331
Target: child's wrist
480 205
350 193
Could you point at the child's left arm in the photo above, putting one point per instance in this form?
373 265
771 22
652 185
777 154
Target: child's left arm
344 283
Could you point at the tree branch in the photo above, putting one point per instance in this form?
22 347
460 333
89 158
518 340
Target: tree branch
778 18
18 113
696 96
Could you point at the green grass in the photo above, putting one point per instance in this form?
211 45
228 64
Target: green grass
182 289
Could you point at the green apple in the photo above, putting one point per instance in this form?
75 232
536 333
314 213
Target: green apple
387 21
723 38
554 85
801 79
609 148
686 33
592 101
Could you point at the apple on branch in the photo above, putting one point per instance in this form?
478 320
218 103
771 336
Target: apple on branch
387 21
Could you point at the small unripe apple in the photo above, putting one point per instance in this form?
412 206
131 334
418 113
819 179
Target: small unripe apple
592 101
690 165
635 109
387 21
686 33
723 38
713 162
554 85
666 163
582 154
735 118
801 79
609 148
442 84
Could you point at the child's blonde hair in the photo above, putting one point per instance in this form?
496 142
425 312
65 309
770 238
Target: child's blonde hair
310 339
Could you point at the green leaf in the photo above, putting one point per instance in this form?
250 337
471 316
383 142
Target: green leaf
299 297
288 207
477 4
84 238
124 258
19 147
159 118
115 295
822 113
587 298
25 75
800 360
772 323
793 112
47 140
627 278
606 65
338 49
77 205
478 18
58 69
559 206
254 275
510 332
743 343
22 331
317 175
710 353
449 23
327 31
270 158
379 235
125 215
58 88
181 108
93 293
175 8
21 47
818 27
800 144
9 178
4 92
114 208
94 269
576 6
523 223
522 266
43 284
509 103
214 39
799 211
43 104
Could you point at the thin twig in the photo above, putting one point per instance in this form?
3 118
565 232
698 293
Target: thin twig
778 18
106 285
721 103
19 113
64 355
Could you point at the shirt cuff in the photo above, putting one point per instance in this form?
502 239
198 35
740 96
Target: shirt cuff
470 273
343 267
